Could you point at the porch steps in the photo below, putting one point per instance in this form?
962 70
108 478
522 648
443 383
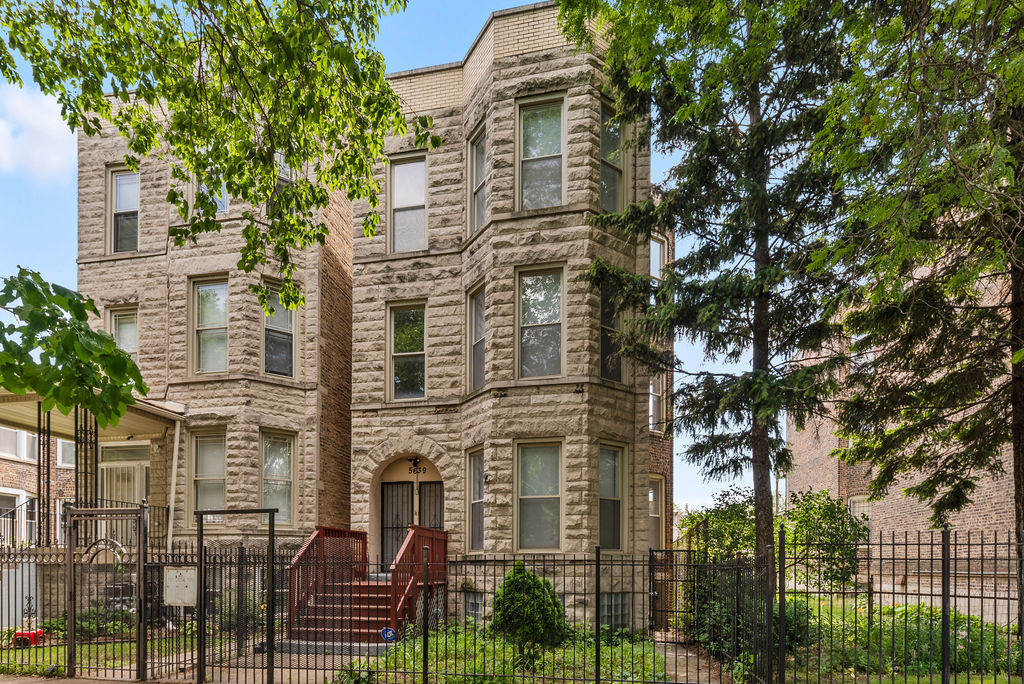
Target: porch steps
354 611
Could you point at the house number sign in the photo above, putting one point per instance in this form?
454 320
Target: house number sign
417 470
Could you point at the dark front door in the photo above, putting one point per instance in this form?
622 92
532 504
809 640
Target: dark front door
395 518
432 505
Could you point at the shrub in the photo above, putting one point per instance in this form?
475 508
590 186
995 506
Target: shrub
527 611
823 537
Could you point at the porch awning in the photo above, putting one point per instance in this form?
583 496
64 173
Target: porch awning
147 419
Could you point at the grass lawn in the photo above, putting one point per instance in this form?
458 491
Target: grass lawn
101 654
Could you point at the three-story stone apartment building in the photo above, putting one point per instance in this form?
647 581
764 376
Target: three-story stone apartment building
451 371
486 396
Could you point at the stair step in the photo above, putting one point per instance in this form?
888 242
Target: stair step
339 622
329 635
345 611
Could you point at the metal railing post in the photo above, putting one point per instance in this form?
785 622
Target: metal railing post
945 604
69 579
597 614
651 622
426 608
782 606
272 599
140 592
241 583
200 601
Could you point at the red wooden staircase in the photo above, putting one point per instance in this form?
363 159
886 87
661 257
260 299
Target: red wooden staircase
335 598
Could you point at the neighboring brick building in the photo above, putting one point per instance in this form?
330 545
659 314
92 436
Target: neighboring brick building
266 421
20 479
814 469
484 400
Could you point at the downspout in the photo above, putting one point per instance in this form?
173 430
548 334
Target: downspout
172 495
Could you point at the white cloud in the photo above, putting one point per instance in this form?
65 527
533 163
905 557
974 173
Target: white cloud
34 140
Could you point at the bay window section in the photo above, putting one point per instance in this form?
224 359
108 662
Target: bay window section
611 364
277 476
476 501
408 205
278 343
610 486
611 161
478 334
478 182
408 352
211 327
540 323
541 157
539 480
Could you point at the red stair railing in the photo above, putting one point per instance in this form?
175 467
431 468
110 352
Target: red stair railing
407 571
309 572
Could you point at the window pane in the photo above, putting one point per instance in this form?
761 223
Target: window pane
656 257
410 232
610 523
278 495
479 160
210 494
213 350
538 523
210 457
610 181
212 302
410 373
540 352
654 539
479 320
126 332
126 232
66 452
480 206
477 522
8 441
654 497
410 183
540 296
221 199
278 350
277 457
538 471
126 192
611 364
282 317
542 183
32 447
611 138
542 130
609 472
476 476
655 407
478 365
408 330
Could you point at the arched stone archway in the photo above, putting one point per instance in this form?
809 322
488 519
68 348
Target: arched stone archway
407 489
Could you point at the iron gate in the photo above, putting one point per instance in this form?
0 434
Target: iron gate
106 608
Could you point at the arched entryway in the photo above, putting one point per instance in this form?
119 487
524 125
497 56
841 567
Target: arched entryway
410 491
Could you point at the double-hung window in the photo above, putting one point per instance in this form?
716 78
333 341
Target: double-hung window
538 487
125 218
540 323
655 504
66 453
478 181
126 332
542 162
611 364
211 326
408 204
657 263
476 501
277 476
477 337
278 348
610 485
408 352
208 473
611 161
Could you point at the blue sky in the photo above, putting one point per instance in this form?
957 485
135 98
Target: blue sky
38 186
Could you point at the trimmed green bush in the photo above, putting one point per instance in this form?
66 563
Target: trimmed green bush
528 612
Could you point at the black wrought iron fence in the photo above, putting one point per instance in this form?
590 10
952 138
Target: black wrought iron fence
922 607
